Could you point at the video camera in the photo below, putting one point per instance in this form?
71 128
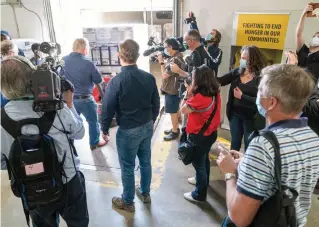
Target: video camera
153 48
48 82
159 47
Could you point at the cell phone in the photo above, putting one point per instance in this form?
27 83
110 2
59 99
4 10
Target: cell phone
315 9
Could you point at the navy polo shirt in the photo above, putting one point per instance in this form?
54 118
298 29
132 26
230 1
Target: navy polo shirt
82 73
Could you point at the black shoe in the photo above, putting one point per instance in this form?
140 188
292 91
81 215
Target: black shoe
167 132
171 136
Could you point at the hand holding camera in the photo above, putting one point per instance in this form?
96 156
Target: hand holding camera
191 18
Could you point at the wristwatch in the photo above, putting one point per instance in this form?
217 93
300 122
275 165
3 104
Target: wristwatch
162 63
229 176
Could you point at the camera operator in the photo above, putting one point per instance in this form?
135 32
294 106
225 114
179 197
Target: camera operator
170 85
38 55
15 85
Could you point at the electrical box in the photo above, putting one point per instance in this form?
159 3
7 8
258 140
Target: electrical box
13 2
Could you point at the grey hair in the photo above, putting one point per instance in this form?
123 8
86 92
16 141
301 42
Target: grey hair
15 77
193 34
80 44
129 51
7 46
290 84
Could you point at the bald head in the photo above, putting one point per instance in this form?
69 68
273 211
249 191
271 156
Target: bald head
81 45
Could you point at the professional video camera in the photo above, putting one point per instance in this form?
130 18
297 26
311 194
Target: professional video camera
48 82
153 48
159 47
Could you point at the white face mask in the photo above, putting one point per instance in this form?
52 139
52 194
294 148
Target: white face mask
314 42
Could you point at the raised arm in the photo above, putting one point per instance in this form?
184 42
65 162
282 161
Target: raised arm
300 27
228 77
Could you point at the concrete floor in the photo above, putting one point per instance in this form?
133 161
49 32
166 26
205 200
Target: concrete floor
168 207
169 183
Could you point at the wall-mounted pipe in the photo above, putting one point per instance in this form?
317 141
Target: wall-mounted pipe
176 23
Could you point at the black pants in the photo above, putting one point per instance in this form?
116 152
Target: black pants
201 164
73 208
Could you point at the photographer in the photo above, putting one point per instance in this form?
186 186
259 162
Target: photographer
198 57
308 57
170 85
15 85
211 42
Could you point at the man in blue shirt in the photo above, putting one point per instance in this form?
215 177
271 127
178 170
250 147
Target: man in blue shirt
133 95
83 75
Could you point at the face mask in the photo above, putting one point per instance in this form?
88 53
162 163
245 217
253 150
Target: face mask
260 108
166 52
185 44
314 42
243 63
209 37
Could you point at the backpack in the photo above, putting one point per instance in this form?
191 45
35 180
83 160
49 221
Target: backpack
279 210
33 166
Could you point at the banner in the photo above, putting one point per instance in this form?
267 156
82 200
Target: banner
266 31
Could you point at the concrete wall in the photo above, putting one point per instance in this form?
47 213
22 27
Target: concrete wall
219 14
29 24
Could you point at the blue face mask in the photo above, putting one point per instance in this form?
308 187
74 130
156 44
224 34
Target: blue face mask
260 108
166 52
243 63
209 37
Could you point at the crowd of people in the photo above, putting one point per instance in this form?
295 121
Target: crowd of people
281 100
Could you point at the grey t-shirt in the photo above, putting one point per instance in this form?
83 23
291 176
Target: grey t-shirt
70 119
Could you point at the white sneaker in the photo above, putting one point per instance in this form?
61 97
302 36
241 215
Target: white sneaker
192 180
188 196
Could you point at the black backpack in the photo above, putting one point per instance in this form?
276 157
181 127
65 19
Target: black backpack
33 166
279 210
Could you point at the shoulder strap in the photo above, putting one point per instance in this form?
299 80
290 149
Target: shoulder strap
208 122
271 137
44 123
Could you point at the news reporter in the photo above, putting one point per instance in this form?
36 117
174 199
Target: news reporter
200 94
170 85
241 108
15 85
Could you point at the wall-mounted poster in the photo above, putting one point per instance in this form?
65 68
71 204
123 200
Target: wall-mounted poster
104 43
266 31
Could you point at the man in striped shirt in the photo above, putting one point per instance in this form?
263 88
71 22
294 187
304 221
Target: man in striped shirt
283 91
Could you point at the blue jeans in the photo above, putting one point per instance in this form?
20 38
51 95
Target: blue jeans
201 164
240 126
88 108
131 143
